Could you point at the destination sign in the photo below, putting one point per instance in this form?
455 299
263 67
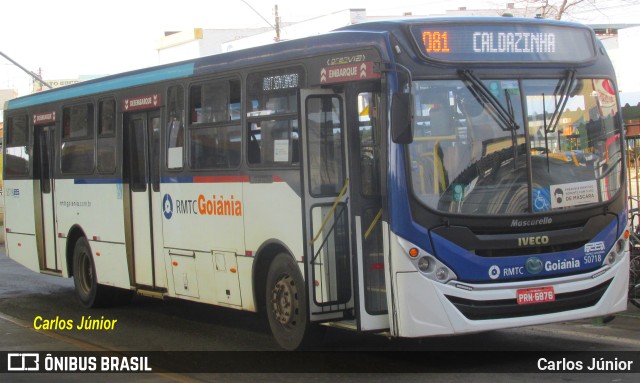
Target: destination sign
283 81
508 42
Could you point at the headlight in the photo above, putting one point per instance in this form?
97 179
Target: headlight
427 264
618 250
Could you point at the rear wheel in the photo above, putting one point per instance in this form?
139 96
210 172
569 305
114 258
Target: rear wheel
287 304
90 293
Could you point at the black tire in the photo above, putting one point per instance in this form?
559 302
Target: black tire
634 295
286 305
608 319
634 277
90 293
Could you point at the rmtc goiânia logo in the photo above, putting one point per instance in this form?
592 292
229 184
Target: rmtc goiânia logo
217 205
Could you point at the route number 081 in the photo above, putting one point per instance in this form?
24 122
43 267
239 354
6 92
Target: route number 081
436 42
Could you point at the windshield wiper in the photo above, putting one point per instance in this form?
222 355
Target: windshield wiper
504 118
564 86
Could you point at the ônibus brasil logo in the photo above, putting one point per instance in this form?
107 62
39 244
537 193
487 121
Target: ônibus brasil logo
218 205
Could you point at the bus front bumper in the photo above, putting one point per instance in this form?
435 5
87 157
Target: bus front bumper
428 308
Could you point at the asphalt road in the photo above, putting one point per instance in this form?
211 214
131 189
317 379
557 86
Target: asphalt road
238 346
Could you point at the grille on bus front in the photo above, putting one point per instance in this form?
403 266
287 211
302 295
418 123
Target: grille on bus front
509 308
514 251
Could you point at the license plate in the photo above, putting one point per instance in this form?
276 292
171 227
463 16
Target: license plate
536 295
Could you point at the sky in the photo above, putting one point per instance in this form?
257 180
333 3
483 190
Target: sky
68 38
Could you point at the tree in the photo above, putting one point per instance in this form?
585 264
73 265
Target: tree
560 9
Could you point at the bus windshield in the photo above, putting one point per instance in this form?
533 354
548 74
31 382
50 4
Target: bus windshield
512 146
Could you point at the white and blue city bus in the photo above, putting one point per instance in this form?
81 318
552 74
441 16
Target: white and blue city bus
415 177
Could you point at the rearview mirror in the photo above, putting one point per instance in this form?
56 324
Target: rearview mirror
401 126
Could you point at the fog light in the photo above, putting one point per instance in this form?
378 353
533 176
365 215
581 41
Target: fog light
423 264
442 274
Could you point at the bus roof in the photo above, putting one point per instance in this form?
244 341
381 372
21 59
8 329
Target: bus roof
237 60
361 35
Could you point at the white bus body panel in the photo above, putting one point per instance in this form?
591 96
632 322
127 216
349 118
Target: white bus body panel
209 256
423 310
97 208
19 223
22 248
111 264
19 209
273 211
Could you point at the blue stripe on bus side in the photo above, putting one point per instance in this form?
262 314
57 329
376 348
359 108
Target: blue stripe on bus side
96 181
176 180
173 180
103 86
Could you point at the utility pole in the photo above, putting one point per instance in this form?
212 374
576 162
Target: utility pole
35 76
277 24
275 27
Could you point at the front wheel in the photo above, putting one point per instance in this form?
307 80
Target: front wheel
634 295
286 299
634 278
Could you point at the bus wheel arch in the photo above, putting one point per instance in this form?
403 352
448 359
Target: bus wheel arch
263 259
81 266
75 233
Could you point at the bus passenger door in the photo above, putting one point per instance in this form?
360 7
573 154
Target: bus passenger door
326 204
364 119
142 200
44 206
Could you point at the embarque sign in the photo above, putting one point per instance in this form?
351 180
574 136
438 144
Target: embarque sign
141 103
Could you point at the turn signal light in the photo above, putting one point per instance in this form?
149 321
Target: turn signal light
414 252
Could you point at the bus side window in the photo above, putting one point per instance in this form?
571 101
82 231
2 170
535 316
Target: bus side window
214 135
18 152
272 117
77 154
175 127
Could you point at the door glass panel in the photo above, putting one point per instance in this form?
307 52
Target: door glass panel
375 297
155 153
369 144
331 266
138 156
45 176
326 163
375 291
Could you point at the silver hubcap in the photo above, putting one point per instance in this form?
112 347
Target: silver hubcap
283 300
